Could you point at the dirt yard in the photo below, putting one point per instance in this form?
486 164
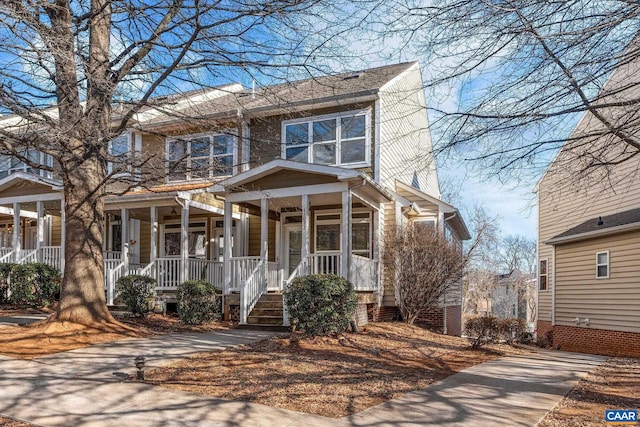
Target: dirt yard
40 339
613 385
327 376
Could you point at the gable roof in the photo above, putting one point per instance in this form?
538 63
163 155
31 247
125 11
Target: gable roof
598 226
19 177
345 88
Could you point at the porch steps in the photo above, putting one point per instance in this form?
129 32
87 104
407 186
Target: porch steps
267 312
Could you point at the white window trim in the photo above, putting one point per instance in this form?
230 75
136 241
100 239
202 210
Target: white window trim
43 159
188 138
164 231
546 275
338 221
367 135
607 264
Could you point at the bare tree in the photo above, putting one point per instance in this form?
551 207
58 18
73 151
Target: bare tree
74 75
522 73
517 252
428 266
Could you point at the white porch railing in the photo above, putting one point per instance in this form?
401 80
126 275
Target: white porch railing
325 263
7 257
112 276
274 276
27 255
167 273
363 273
251 290
51 255
4 252
242 267
112 255
209 271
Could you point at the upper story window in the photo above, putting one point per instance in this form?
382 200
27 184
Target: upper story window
120 154
602 265
201 157
337 139
542 275
10 164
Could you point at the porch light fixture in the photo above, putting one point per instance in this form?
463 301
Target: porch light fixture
173 211
140 362
600 221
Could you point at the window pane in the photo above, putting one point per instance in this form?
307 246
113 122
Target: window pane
120 146
360 236
200 168
223 144
324 154
353 127
297 134
543 283
353 151
197 243
324 130
200 147
171 244
543 267
328 237
223 165
602 258
603 271
177 170
177 150
298 153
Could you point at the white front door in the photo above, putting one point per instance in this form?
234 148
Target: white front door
292 248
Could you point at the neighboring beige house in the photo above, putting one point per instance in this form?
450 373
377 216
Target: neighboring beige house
284 180
589 233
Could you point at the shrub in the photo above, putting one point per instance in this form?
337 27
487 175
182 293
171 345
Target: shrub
481 330
137 292
32 285
198 302
5 271
321 304
512 330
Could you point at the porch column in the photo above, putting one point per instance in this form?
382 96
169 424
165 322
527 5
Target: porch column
154 234
124 221
17 232
226 256
375 249
40 236
184 242
305 247
63 234
264 230
345 255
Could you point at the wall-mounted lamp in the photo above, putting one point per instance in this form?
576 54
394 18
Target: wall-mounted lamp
173 211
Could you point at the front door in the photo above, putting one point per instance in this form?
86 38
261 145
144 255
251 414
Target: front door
292 248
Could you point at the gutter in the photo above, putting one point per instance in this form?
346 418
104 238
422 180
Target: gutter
593 234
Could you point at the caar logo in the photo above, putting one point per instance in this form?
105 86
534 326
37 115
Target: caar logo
621 416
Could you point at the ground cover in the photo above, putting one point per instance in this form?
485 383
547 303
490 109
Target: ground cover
613 385
329 376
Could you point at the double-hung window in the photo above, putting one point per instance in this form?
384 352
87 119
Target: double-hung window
602 265
542 275
200 157
338 139
120 155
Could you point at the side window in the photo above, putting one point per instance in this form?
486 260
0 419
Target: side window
542 275
602 265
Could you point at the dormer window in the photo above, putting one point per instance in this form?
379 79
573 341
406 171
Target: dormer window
337 139
201 157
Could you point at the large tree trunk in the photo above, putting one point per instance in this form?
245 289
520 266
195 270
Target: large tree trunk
82 298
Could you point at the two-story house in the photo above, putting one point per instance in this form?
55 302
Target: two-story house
259 186
589 230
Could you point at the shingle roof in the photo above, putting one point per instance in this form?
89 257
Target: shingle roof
599 225
307 91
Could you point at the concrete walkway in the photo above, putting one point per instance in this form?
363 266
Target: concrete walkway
85 387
